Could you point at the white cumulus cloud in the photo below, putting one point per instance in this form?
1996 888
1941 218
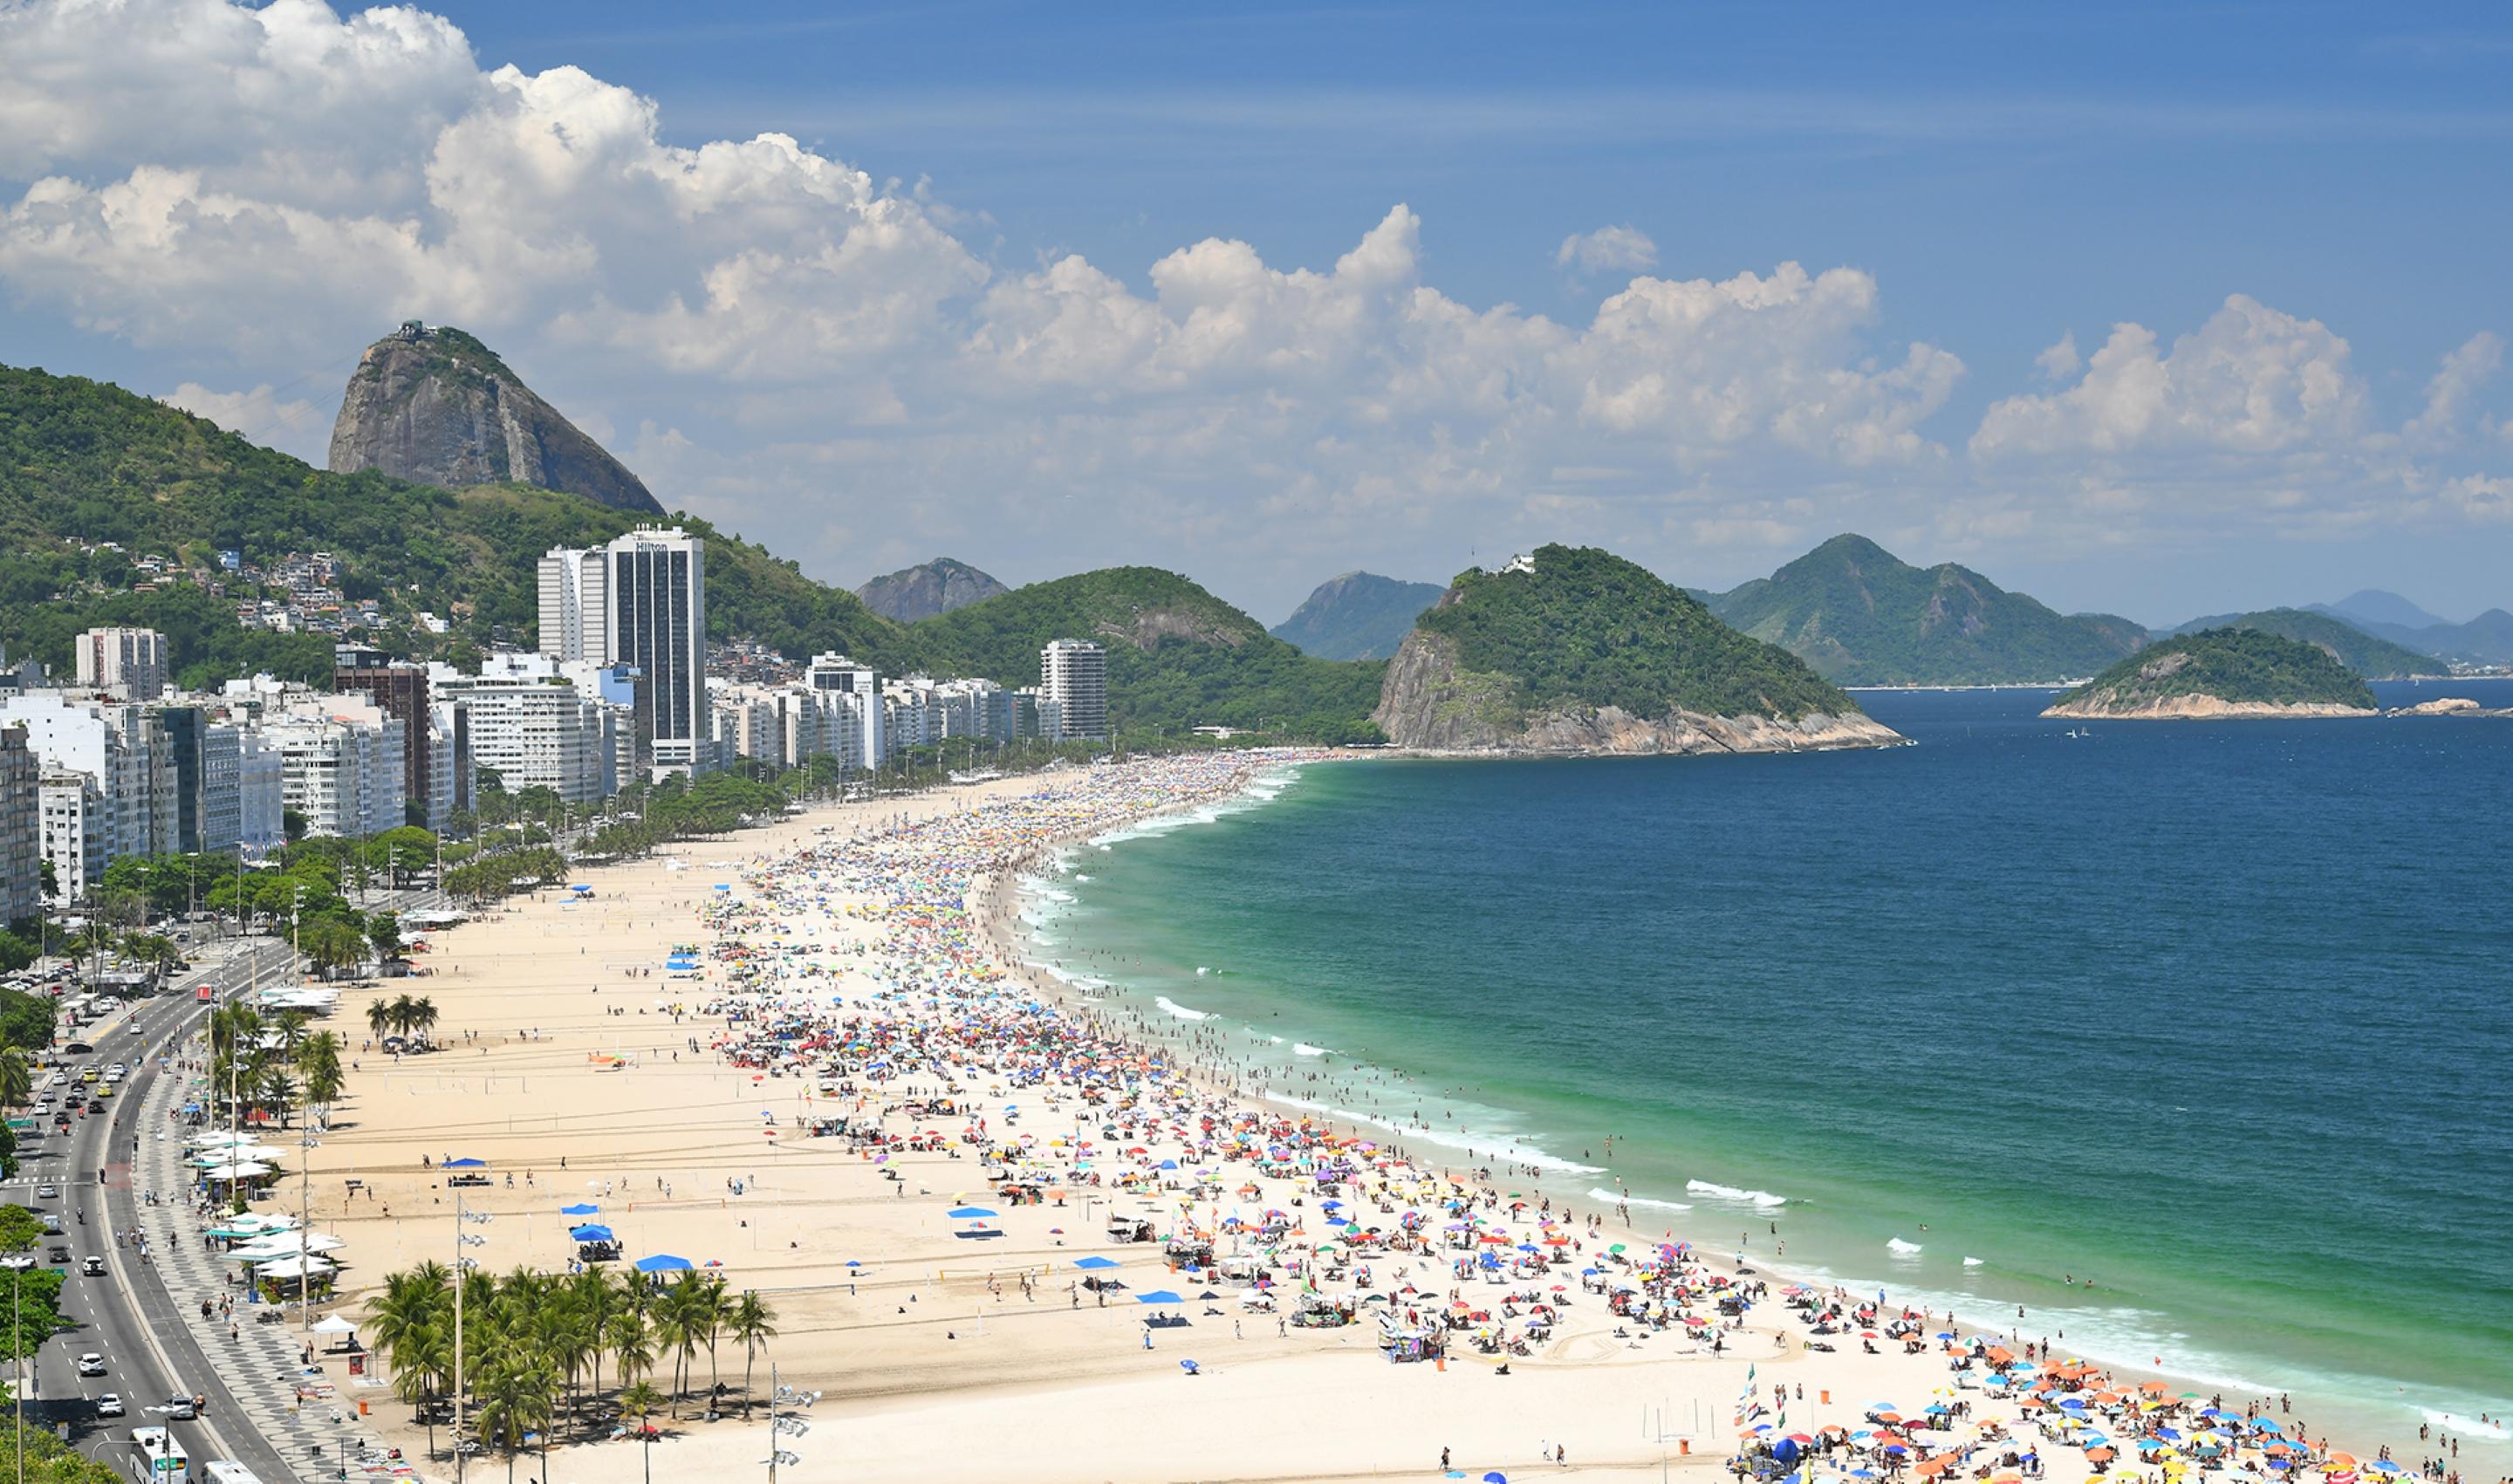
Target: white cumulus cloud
2252 379
818 357
1608 249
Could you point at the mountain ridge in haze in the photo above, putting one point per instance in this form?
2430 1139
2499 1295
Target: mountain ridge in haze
1861 616
1357 616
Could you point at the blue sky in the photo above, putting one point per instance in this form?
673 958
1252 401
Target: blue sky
2000 176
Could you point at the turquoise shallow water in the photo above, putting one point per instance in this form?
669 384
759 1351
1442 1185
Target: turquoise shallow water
2215 1014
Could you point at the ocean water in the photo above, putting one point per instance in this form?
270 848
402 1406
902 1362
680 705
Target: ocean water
2193 1040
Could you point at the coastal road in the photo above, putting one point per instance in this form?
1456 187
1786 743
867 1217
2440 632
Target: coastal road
151 1350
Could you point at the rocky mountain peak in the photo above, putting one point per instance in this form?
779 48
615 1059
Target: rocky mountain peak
433 405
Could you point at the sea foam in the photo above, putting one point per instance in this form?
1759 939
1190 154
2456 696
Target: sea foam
1179 1010
1600 1193
1762 1198
1901 1248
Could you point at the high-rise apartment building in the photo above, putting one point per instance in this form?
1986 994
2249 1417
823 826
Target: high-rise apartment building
649 588
126 664
21 841
1073 673
400 690
75 831
836 672
575 618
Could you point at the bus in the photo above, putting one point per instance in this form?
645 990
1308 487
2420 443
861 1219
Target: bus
221 1472
161 1457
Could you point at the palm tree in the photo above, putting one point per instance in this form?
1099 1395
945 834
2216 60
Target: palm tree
423 1016
423 1371
754 1324
714 1308
679 1321
318 1057
410 1326
640 1401
516 1400
279 1091
17 1078
402 1013
596 1301
631 1341
379 1017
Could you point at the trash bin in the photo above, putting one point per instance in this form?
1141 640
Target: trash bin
361 1406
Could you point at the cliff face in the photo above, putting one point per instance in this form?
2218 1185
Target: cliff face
920 592
1427 703
440 408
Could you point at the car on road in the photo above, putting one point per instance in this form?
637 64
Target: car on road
58 1253
108 1405
90 1363
48 1193
60 1079
181 1408
94 1267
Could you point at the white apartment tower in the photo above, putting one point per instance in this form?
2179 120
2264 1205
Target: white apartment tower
1073 674
127 664
574 621
649 588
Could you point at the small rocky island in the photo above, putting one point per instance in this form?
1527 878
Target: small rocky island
2222 673
1574 651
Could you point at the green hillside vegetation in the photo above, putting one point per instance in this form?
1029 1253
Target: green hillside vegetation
1588 629
1177 656
1861 616
2237 666
88 462
1358 616
83 461
2375 659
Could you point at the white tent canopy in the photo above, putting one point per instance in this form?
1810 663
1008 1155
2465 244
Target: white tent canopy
289 1268
334 1324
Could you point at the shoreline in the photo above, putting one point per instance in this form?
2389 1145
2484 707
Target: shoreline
1010 929
954 1359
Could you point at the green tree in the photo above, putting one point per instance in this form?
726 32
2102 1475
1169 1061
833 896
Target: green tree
640 1402
27 1021
754 1323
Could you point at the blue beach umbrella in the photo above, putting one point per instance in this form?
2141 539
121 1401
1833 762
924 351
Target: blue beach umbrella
1495 1477
1093 1264
968 1213
1159 1296
581 1208
664 1262
590 1233
467 1163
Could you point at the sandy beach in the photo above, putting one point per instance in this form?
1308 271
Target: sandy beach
869 954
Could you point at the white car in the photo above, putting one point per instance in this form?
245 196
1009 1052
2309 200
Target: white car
108 1405
90 1363
60 1079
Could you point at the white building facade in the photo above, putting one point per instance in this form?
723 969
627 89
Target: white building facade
1073 673
127 664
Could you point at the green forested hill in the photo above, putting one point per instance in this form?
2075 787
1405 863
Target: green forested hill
84 462
1177 656
1588 629
2241 666
1861 616
2375 659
